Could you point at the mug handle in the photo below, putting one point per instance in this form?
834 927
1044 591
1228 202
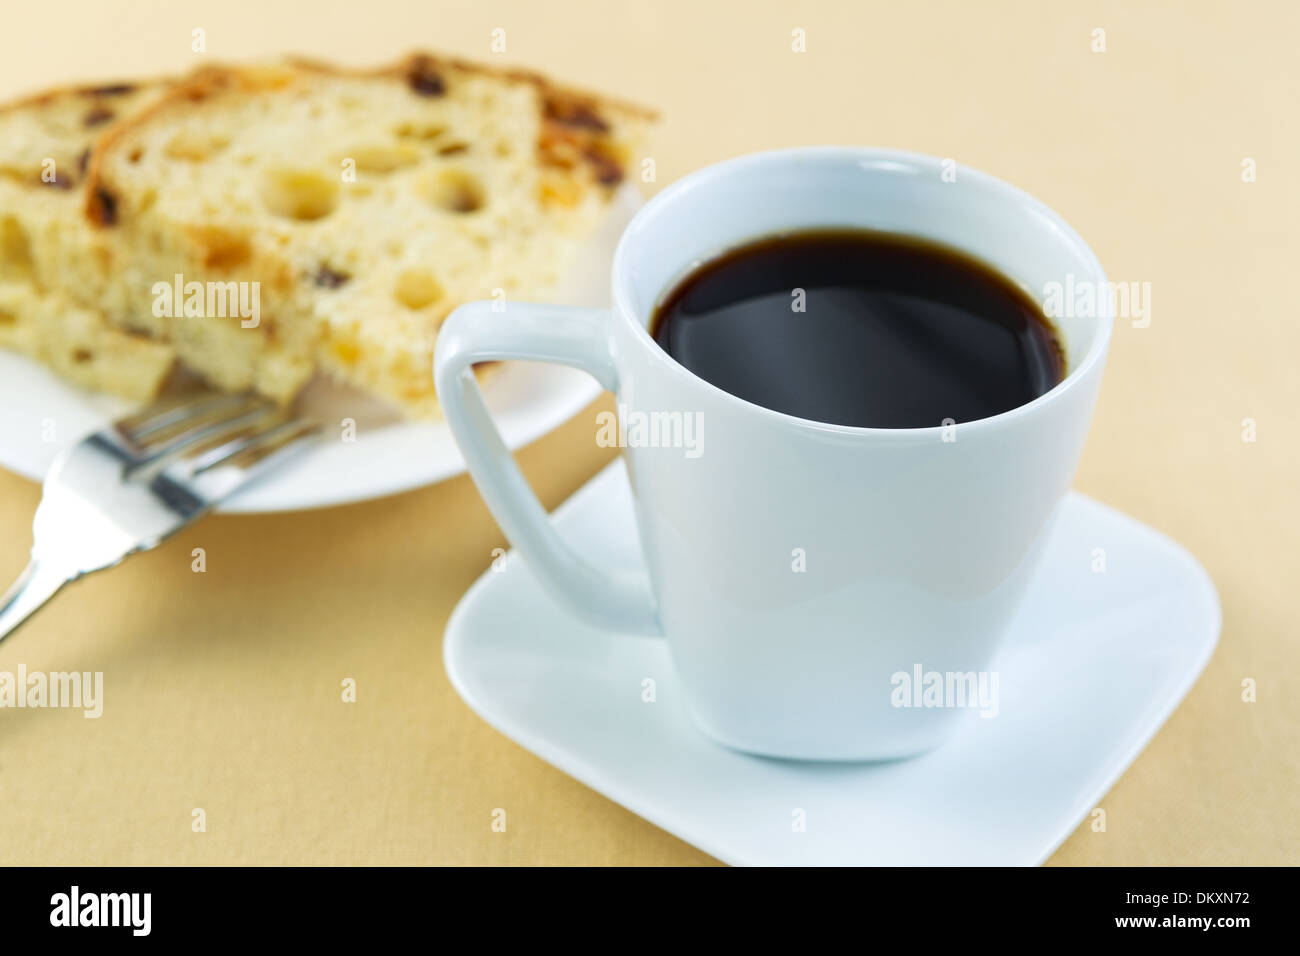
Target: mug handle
563 335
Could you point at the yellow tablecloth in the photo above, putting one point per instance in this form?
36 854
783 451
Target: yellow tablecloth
222 689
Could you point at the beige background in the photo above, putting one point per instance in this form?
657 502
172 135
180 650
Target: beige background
222 690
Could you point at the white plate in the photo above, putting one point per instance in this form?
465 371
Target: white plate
1092 666
389 455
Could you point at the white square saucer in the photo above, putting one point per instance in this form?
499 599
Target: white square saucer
1093 665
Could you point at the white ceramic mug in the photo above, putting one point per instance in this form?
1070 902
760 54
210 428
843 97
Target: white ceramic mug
916 544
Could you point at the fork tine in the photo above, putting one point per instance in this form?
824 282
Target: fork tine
141 424
263 448
229 464
199 421
221 444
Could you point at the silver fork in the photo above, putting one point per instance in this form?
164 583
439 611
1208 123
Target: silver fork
128 486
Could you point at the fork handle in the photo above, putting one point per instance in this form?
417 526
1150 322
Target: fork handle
36 585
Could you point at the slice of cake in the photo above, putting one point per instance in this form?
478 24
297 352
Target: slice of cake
357 209
79 344
45 145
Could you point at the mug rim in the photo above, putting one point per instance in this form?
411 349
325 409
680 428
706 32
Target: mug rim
703 177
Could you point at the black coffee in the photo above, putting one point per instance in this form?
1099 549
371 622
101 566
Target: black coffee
861 328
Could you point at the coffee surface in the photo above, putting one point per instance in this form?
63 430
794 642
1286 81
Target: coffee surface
861 328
